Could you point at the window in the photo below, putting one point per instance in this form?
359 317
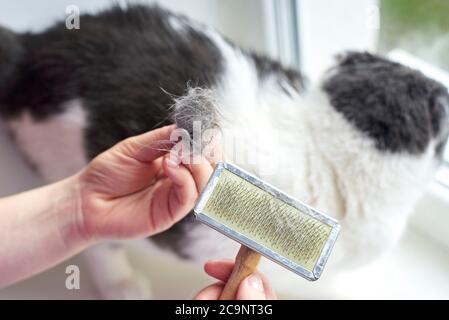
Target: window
420 28
282 31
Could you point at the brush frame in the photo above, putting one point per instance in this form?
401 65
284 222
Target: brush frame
266 252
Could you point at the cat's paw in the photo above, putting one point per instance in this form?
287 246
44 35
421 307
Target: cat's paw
136 287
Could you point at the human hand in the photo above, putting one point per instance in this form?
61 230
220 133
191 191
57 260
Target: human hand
254 287
136 189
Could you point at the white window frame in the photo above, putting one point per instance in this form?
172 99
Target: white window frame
282 31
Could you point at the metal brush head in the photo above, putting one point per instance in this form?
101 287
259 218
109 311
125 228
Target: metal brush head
265 219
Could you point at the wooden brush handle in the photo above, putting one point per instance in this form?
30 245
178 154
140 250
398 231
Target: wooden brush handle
245 263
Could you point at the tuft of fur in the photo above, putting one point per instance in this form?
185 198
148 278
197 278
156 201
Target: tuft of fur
197 110
197 105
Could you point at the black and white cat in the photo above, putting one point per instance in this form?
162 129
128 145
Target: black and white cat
360 145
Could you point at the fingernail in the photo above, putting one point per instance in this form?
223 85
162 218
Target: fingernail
255 281
172 163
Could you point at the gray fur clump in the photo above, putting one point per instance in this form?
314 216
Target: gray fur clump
198 107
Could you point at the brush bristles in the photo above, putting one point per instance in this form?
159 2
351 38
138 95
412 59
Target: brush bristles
267 220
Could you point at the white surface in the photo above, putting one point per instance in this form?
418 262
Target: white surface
432 214
417 269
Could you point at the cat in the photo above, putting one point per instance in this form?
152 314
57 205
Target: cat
360 145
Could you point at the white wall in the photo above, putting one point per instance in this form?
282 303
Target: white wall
328 27
239 20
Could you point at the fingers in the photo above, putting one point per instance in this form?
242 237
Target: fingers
183 193
187 181
148 146
201 173
219 269
222 269
211 292
175 197
199 167
269 291
251 288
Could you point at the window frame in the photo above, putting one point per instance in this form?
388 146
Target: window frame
282 31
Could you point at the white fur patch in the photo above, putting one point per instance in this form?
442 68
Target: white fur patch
54 145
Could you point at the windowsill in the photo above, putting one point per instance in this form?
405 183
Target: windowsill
417 269
431 215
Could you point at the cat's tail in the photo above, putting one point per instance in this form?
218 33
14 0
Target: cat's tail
11 53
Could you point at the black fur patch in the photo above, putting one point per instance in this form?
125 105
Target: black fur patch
267 67
400 108
177 238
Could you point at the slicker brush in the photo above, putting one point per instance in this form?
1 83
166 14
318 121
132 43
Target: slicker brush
266 222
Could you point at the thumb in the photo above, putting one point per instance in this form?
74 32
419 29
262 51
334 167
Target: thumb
251 288
148 146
